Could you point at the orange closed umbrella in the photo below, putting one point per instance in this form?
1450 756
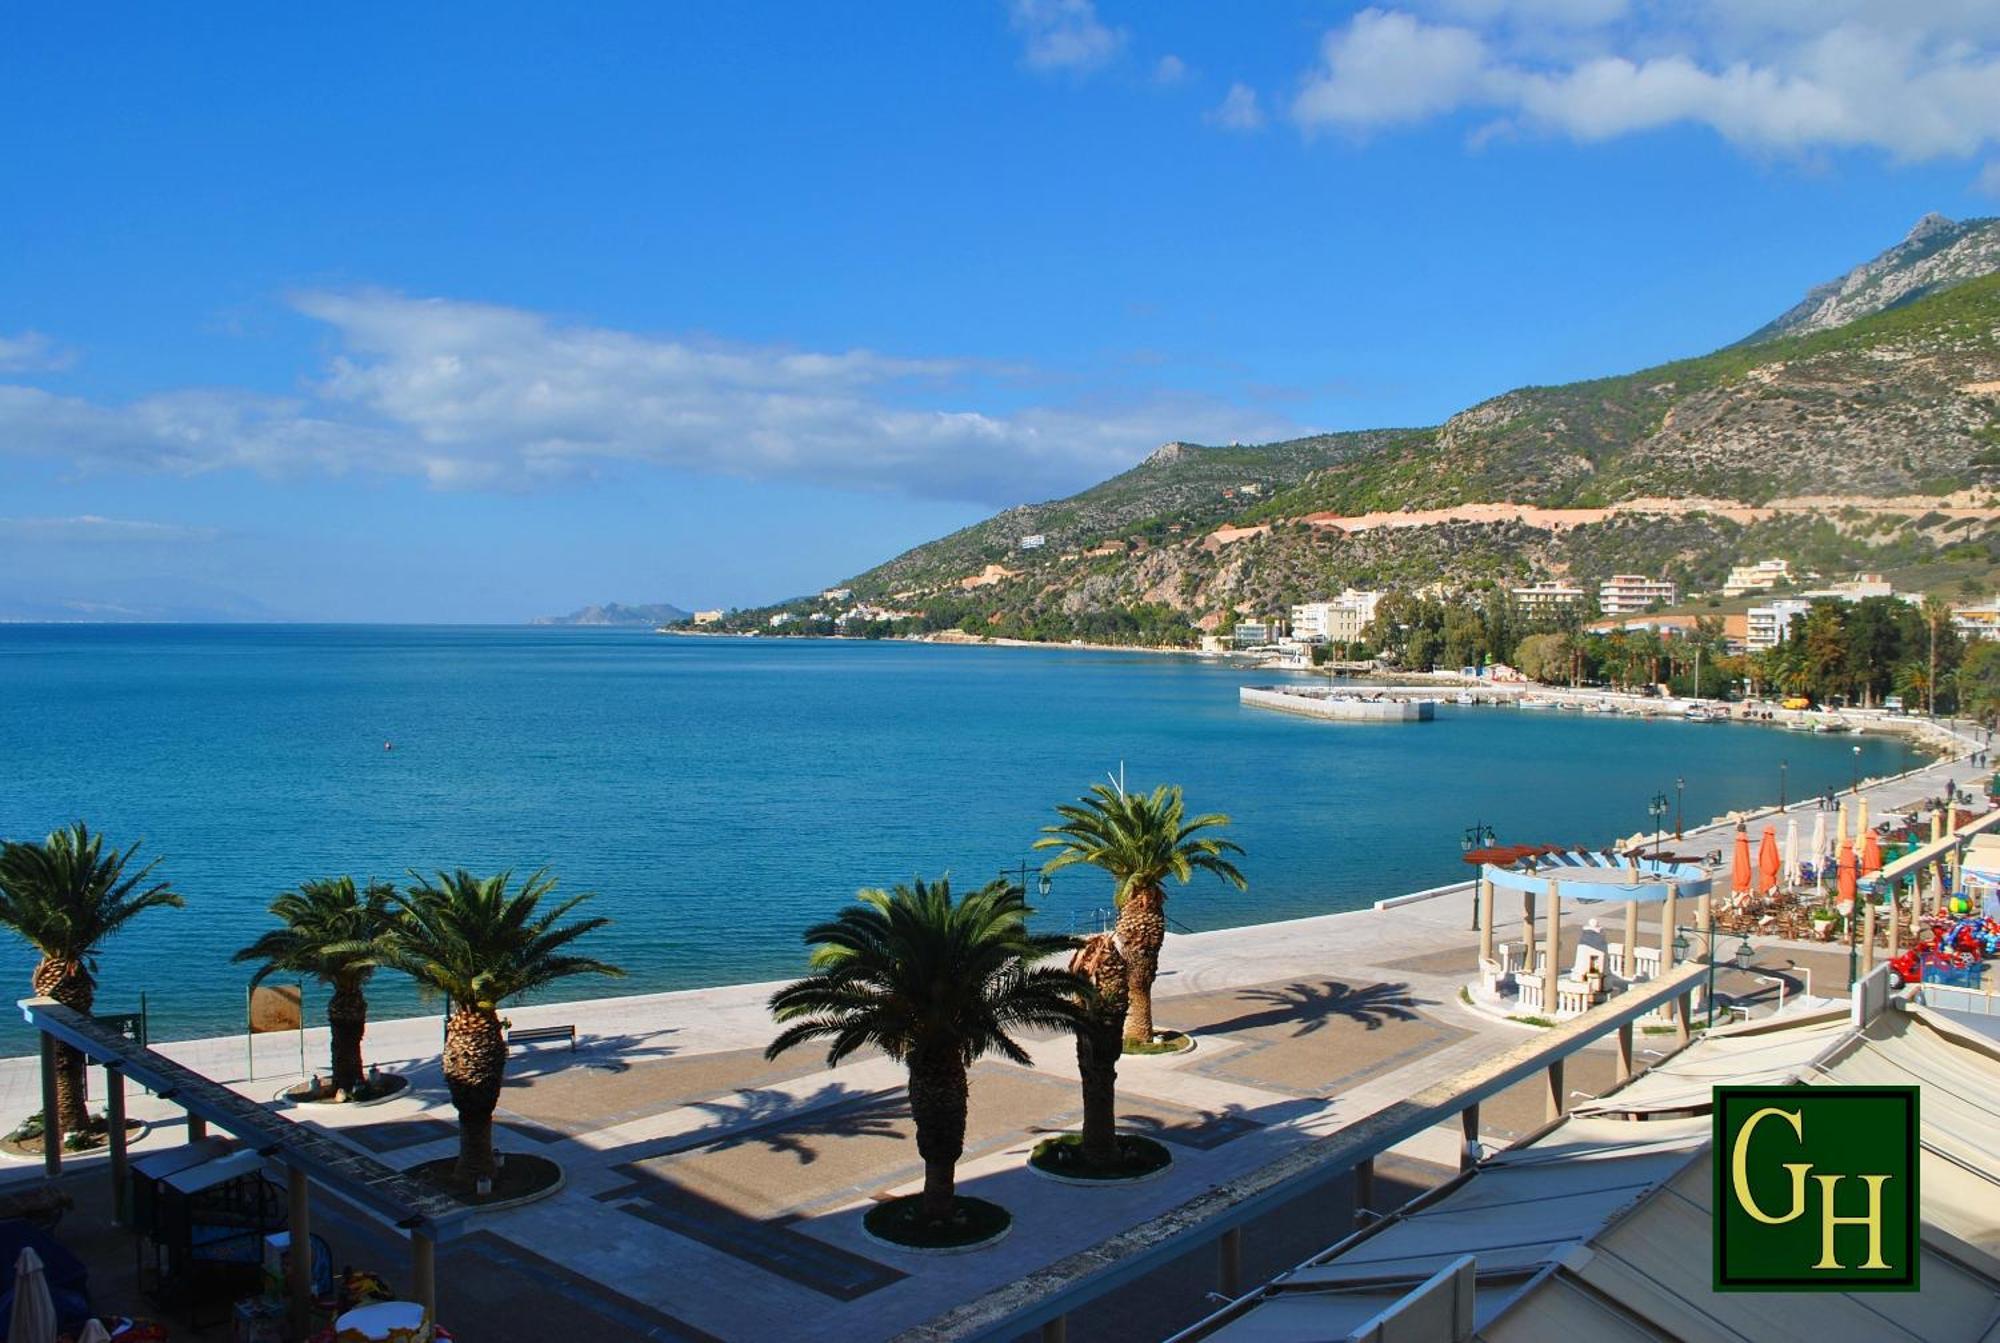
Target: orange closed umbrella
1871 853
1768 862
1739 870
1850 878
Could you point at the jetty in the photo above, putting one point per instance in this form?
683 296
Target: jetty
1346 704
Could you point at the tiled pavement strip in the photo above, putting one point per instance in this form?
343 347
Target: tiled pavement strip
725 1192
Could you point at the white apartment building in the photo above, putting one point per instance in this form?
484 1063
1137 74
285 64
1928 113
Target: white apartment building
1339 621
1768 624
1980 621
1759 577
708 617
836 594
1629 594
1542 598
1855 588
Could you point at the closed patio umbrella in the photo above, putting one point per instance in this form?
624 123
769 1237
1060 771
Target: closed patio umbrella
1792 877
1767 861
33 1319
1849 878
1819 852
1871 853
1739 867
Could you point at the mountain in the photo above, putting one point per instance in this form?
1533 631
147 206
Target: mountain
1861 430
1937 254
1181 485
614 613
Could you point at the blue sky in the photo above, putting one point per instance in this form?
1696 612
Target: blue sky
477 312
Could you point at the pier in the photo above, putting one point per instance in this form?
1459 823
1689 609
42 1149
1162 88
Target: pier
1348 704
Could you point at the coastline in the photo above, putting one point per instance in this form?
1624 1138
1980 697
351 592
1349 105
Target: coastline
738 997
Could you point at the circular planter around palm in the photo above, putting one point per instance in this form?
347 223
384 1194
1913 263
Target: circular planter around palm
520 1179
899 1224
377 1089
1137 1159
1163 1042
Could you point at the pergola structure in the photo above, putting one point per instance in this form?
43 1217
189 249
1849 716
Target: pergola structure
309 1156
1549 873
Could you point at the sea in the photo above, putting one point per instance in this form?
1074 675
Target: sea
718 796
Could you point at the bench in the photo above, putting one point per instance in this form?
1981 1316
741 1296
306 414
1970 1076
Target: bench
528 1035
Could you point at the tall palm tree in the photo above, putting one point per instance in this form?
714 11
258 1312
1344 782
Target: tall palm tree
1937 615
1103 998
478 943
934 984
1141 840
64 896
340 934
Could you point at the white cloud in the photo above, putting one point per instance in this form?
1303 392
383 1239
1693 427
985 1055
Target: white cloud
88 528
1384 68
1988 181
32 352
1238 110
1064 34
1170 69
470 395
1917 80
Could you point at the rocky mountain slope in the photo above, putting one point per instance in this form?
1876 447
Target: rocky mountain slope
1862 429
1937 254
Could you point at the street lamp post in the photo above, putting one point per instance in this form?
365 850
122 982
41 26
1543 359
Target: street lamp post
1740 959
1657 808
1783 765
1679 784
1854 785
1478 835
1019 875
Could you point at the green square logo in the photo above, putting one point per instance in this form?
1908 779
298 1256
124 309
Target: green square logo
1816 1189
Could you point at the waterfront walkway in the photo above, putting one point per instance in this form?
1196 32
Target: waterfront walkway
712 1194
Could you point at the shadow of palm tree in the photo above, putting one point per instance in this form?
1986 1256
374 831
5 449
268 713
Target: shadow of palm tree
785 1123
613 1053
1310 1006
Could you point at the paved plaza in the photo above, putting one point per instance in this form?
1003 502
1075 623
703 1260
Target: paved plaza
714 1195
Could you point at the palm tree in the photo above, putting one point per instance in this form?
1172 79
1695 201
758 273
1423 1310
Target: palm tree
1141 840
340 934
1937 615
934 984
1100 1041
478 944
64 896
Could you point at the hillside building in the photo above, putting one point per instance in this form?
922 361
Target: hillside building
708 617
1545 598
1339 621
836 594
1629 594
1979 621
1759 577
1856 588
1034 541
1257 633
1765 626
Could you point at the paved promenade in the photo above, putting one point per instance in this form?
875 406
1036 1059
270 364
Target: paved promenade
711 1194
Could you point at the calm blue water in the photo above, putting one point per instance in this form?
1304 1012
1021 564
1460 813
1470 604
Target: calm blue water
720 795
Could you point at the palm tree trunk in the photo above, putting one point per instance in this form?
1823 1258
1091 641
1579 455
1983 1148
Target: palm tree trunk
1099 1044
475 1065
939 1091
70 984
1142 929
347 1023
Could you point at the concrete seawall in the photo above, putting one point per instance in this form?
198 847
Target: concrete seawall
1337 707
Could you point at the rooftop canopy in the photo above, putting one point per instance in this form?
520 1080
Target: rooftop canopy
1593 877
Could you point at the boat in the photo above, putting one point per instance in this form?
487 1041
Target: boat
1465 697
1537 704
1695 713
1835 724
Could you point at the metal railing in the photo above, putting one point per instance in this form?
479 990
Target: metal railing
1043 1299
